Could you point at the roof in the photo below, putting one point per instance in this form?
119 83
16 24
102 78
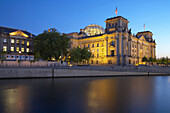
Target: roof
91 36
116 18
9 30
145 32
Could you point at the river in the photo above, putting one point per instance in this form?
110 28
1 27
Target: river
86 95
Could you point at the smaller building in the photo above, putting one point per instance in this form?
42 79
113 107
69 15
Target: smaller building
16 44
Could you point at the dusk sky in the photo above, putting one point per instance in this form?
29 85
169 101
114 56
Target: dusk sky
72 15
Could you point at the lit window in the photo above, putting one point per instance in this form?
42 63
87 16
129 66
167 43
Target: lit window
12 40
4 48
28 50
97 50
93 50
17 48
17 41
5 40
22 41
12 48
22 49
28 43
102 49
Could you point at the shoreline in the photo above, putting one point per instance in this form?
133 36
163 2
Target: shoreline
33 73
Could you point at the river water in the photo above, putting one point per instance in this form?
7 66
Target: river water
86 95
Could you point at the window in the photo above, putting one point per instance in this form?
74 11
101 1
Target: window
92 50
12 40
92 55
109 62
97 55
112 43
92 45
102 45
84 46
112 52
4 48
12 48
102 49
88 45
28 50
97 62
97 44
5 40
17 49
22 41
22 49
102 54
17 41
97 50
28 43
91 61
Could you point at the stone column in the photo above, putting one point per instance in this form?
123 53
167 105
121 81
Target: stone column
154 52
122 49
117 49
125 50
106 46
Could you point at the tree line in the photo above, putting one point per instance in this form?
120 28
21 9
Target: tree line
163 60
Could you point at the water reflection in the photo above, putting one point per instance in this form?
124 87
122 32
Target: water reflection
86 95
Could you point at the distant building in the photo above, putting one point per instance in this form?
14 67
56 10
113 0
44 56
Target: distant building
116 44
16 44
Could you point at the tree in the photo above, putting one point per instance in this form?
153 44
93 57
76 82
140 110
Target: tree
79 55
144 59
154 60
162 60
2 56
167 61
50 45
150 60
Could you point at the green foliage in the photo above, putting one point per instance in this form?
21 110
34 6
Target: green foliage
154 60
50 45
144 59
162 60
79 55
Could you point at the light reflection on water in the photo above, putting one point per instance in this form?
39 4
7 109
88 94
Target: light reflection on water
86 95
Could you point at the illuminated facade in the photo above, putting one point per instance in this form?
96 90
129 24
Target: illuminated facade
16 44
116 45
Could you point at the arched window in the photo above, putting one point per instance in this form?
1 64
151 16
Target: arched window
112 43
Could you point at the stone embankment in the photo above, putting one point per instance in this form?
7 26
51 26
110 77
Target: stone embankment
82 71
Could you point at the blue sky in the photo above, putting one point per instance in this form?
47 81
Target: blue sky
71 15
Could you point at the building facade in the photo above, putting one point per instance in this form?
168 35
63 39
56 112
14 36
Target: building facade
16 44
116 44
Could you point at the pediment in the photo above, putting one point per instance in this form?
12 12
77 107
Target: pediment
18 33
142 38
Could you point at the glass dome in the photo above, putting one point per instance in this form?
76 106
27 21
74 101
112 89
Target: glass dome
93 29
